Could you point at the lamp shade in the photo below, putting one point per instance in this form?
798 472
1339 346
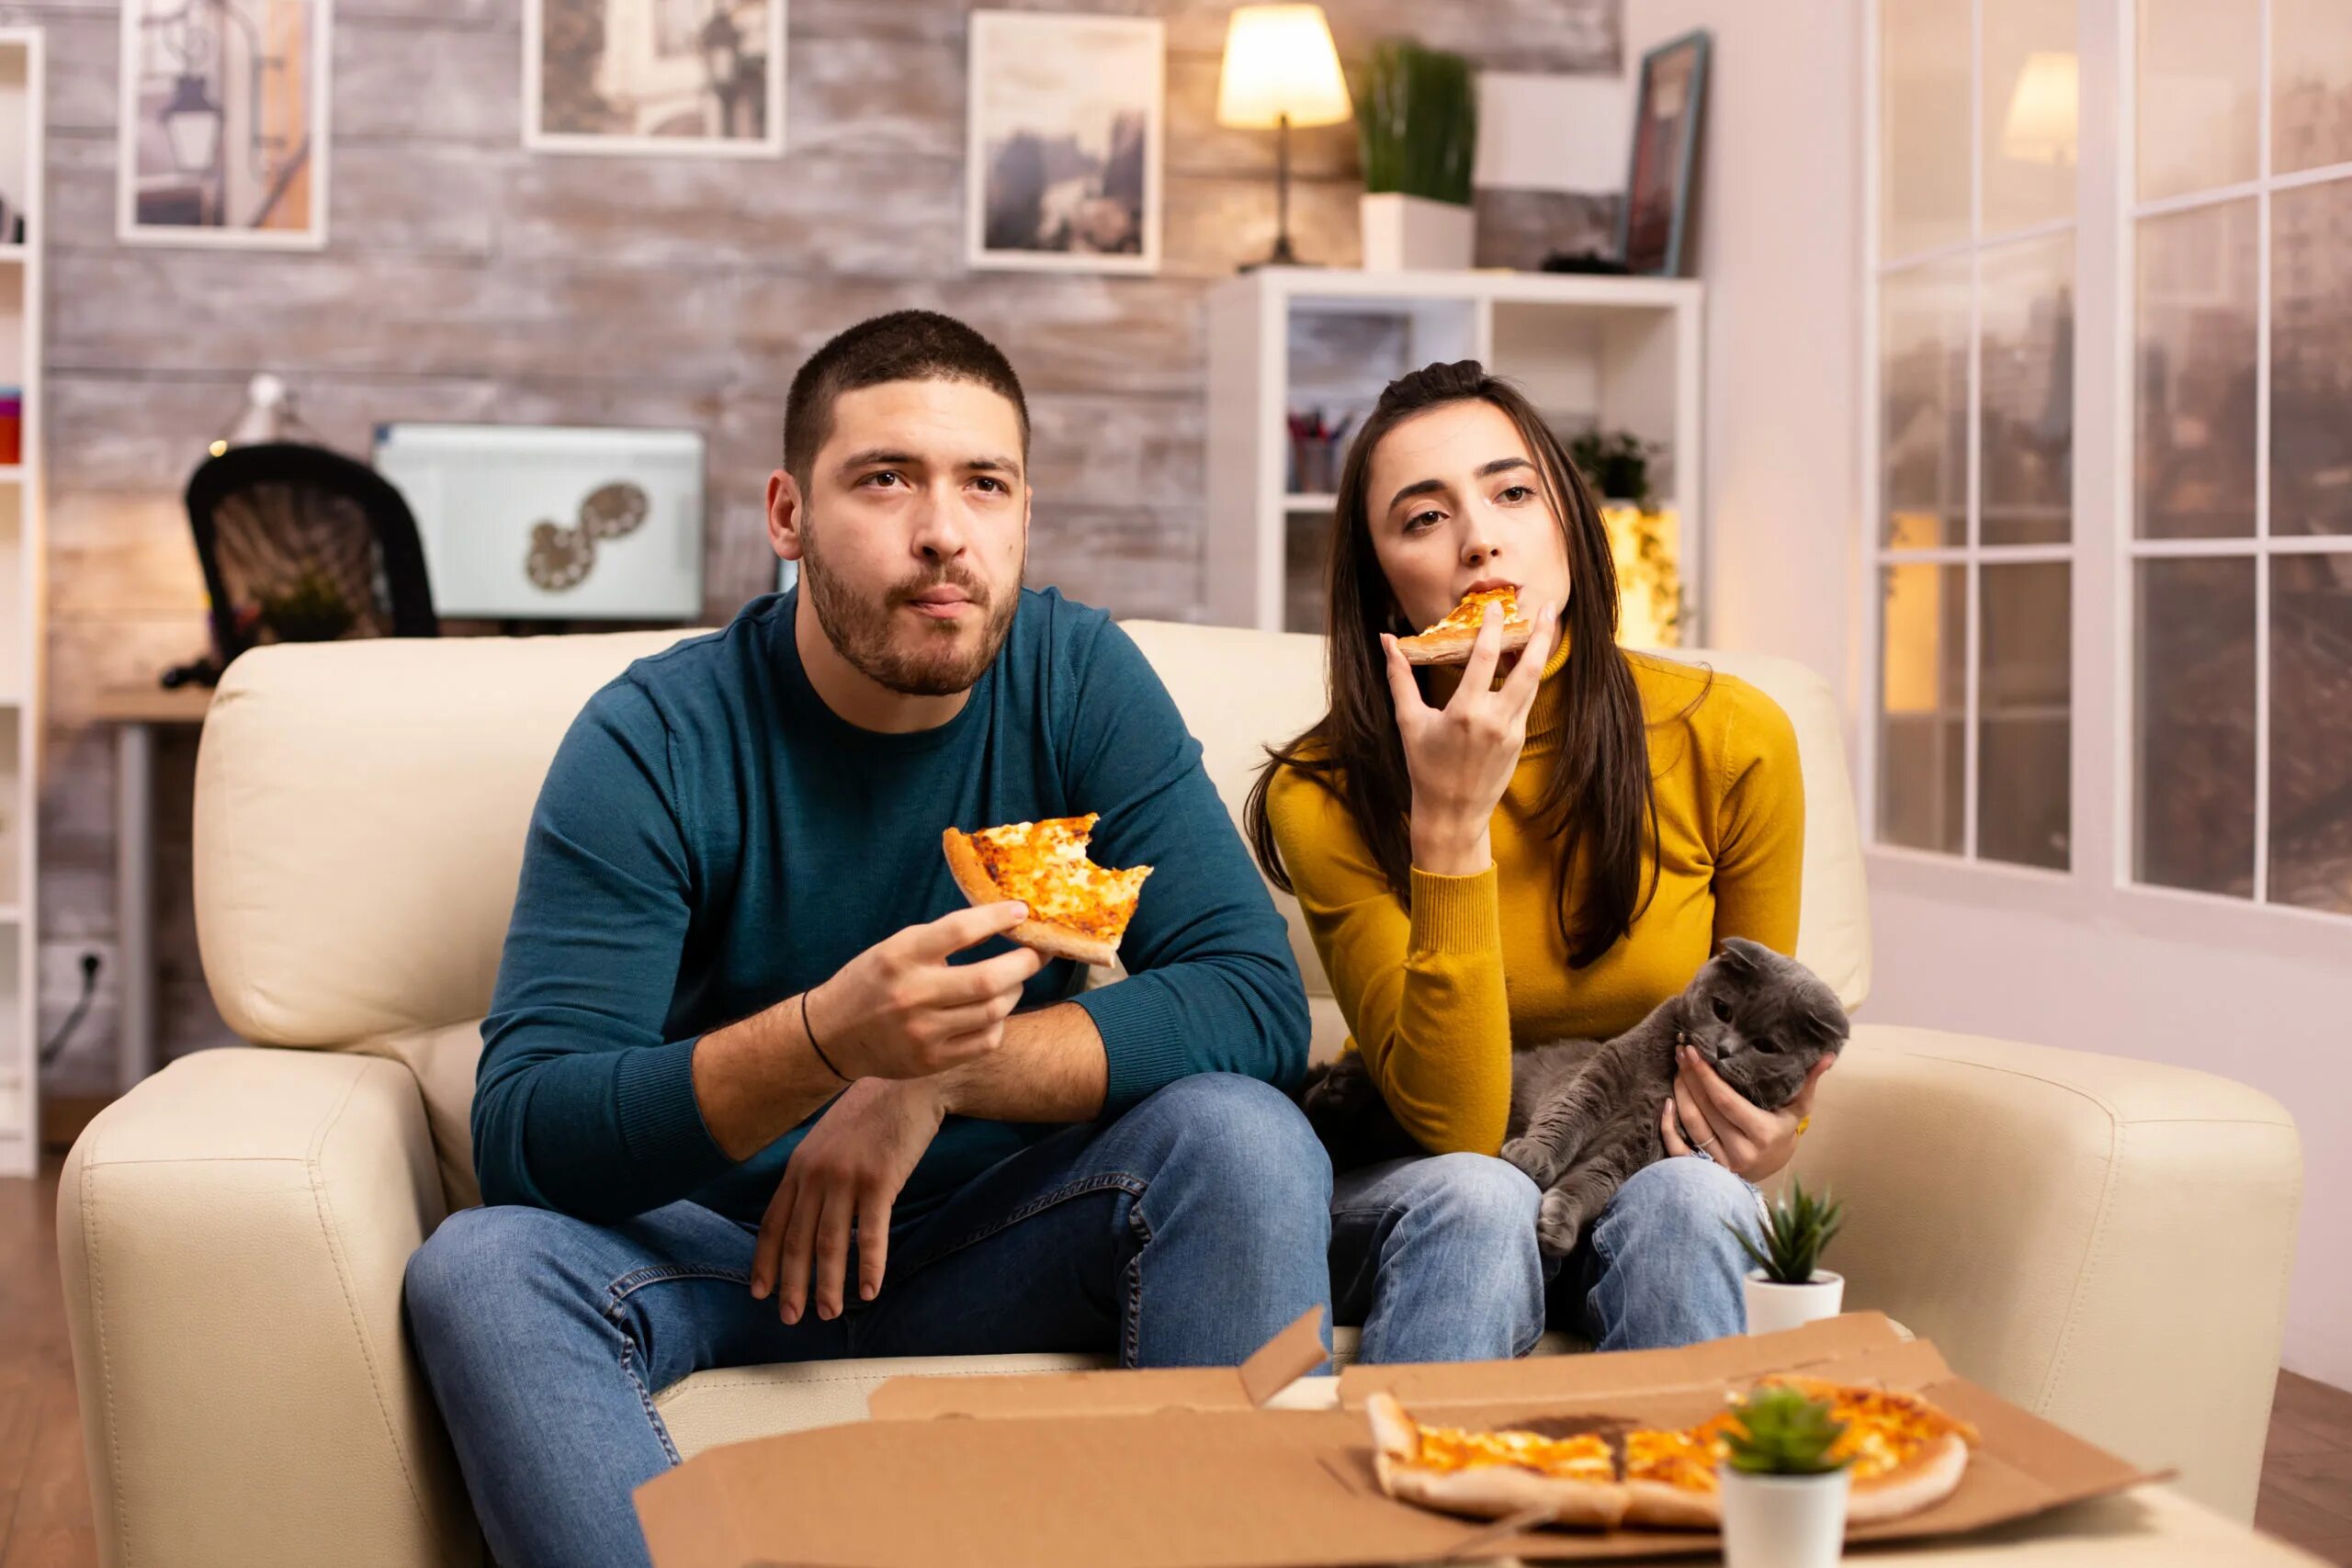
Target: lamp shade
1279 61
2039 128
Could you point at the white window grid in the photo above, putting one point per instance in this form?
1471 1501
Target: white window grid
1973 555
2262 546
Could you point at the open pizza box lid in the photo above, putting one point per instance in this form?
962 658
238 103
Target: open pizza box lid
1196 1469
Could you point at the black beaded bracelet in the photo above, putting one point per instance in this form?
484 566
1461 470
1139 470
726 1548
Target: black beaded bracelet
807 1028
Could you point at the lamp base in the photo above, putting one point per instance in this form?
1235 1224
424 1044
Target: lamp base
1281 255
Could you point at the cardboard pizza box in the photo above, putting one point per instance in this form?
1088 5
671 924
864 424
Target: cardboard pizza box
1203 1469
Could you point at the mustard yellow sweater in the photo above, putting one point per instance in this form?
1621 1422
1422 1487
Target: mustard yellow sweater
1434 997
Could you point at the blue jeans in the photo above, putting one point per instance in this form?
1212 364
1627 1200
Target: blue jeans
1187 1231
1436 1258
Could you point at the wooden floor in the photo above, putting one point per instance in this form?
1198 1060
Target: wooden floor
45 1500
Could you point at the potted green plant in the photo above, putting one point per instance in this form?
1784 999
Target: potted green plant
1417 121
1788 1286
1644 538
1783 1484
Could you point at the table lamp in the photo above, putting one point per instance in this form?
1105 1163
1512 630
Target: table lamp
2043 111
1281 70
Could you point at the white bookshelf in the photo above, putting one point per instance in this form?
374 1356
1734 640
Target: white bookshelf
1620 352
21 565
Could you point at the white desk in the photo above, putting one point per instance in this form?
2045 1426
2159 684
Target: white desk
137 712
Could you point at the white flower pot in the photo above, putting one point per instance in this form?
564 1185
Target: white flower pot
1784 1521
1404 233
1772 1308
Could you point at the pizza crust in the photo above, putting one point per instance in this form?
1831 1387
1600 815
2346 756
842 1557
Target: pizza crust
1501 1491
1926 1479
1662 1505
1486 1491
1451 645
1043 936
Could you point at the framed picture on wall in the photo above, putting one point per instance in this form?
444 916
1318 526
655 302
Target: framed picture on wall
223 132
695 77
1066 118
1656 218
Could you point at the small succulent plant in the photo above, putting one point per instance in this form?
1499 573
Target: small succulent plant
1795 1230
1780 1431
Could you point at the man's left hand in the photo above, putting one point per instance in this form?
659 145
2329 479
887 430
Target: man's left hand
849 1167
1708 1113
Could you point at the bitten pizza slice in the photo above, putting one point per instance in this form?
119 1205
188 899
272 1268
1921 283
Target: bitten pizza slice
1450 641
1571 1480
1076 910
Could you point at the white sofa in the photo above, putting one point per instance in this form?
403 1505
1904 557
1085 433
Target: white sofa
2104 1241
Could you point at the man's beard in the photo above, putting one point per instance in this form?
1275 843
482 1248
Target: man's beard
934 665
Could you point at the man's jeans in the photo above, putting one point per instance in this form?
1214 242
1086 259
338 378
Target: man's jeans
1436 1258
1187 1231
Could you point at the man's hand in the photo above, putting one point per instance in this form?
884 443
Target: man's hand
1708 1113
900 1011
851 1166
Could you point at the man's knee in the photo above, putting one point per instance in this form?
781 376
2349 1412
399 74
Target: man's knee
1237 1137
482 1262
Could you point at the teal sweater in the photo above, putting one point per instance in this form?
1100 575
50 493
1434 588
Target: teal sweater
712 839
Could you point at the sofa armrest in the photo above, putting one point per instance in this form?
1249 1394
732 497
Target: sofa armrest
2103 1241
233 1234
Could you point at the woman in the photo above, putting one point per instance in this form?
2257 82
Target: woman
1547 857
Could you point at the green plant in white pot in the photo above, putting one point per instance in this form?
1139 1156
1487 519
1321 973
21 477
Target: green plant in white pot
1785 1486
1788 1286
1416 120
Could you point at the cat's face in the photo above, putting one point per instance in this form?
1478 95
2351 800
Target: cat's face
1761 1021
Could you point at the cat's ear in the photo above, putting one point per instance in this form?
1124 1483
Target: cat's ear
1742 953
1828 1022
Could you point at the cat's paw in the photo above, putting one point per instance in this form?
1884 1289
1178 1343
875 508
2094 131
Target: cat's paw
1558 1226
1531 1158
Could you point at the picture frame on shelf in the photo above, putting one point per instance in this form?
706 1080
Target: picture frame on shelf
1065 134
1653 223
682 78
224 136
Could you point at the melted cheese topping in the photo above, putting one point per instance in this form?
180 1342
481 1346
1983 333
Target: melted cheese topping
1582 1458
1884 1430
1043 864
1472 609
1686 1459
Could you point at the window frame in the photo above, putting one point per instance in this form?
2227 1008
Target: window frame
1972 555
2096 890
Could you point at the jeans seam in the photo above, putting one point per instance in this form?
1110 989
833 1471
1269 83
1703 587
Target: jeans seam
644 1397
1107 1182
630 1283
1131 1320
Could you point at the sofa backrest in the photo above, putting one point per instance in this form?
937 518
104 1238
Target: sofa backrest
360 810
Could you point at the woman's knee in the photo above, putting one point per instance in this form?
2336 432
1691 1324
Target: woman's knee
1689 1200
1476 1196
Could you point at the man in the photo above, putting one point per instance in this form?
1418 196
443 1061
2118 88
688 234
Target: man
741 989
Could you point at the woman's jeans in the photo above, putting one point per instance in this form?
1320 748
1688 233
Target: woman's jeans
1436 1258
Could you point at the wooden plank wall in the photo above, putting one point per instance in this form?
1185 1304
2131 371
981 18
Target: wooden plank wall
466 280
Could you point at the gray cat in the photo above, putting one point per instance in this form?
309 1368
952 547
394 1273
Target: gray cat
1584 1115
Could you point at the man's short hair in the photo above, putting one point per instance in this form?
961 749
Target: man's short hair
905 345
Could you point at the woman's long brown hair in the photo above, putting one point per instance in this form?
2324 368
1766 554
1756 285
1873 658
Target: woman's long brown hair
1597 801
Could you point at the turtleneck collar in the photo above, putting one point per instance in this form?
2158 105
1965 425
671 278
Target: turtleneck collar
1551 709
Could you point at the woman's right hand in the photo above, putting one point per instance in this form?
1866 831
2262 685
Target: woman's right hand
1461 757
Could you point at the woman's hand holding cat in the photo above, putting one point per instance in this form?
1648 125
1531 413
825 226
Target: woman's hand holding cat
1461 757
1706 1112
